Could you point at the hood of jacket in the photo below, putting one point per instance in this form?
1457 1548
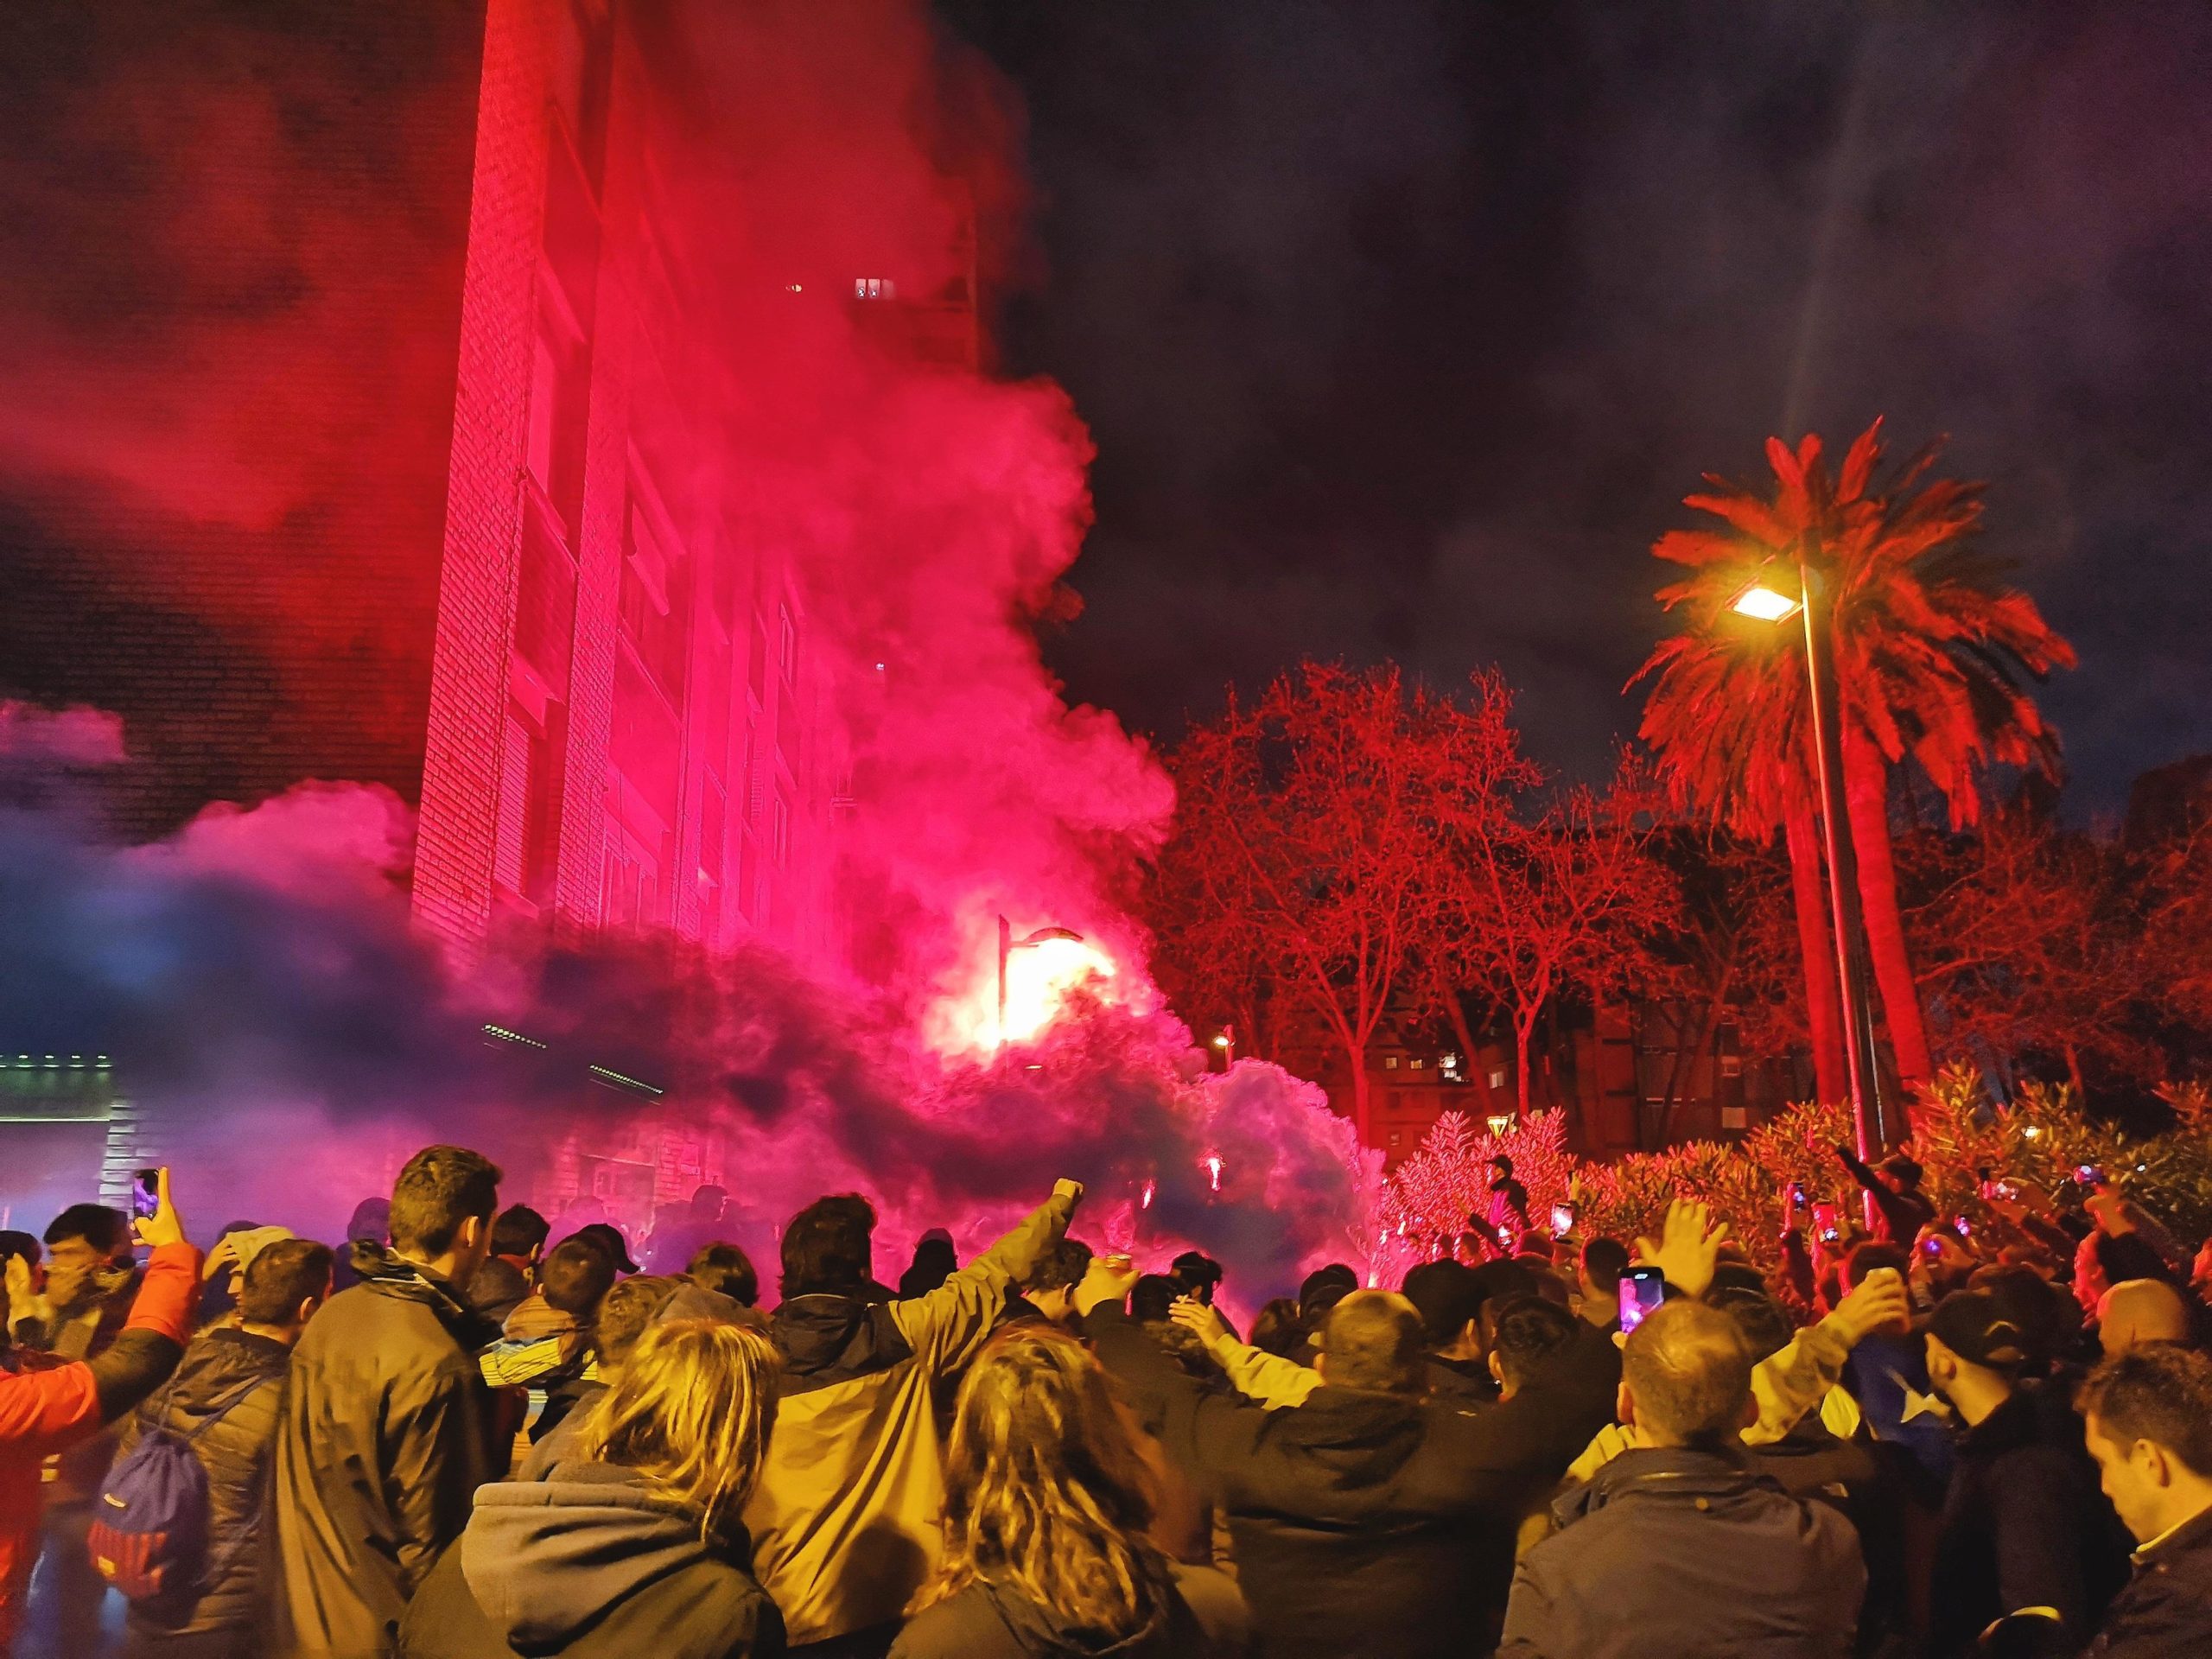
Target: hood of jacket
1673 1473
828 1338
1351 1440
388 1274
546 1558
1040 1629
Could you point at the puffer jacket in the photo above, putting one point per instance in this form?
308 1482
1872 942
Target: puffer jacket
383 1442
845 1522
587 1564
245 1373
1669 1553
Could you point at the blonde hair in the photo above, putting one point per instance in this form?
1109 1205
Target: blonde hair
691 1411
1045 1493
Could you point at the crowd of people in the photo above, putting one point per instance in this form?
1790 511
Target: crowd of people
456 1438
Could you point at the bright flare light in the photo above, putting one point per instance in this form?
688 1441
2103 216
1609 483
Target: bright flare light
1764 604
1212 1162
1039 981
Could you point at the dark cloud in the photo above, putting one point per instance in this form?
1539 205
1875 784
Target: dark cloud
1402 329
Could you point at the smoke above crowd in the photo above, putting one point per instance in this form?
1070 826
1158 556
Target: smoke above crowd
255 975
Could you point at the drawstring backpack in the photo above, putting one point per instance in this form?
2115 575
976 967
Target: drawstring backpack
149 1532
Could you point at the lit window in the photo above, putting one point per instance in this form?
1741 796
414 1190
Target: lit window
1389 1062
1414 1062
1497 1076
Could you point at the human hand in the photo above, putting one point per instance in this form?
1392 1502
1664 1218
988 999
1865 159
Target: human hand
2109 1211
1881 1302
1687 1249
164 1226
1109 1279
1201 1319
223 1255
21 1295
1071 1190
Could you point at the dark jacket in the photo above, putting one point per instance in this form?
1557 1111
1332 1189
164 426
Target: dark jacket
2025 1524
238 1452
2166 1609
1667 1553
498 1289
383 1444
985 1622
1903 1214
587 1563
1365 1524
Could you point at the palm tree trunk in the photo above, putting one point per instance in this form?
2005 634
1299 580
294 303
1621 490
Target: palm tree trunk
1824 1004
1866 786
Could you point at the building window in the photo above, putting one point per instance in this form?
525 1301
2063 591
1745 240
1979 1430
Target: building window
790 642
782 841
1414 1063
1497 1076
1389 1062
874 287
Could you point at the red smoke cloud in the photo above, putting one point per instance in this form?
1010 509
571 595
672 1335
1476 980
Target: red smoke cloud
932 513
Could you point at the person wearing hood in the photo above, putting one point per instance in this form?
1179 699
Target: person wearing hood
386 1432
844 1522
1678 1544
1047 1524
634 1546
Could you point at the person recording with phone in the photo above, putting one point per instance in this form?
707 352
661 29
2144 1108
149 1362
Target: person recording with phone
49 1411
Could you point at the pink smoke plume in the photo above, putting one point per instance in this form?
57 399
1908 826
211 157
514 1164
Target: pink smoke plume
254 973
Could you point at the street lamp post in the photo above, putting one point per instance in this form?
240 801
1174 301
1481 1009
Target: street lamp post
1817 609
1009 945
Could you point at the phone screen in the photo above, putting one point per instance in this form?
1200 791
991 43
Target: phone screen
145 1192
1824 1219
1641 1292
1562 1219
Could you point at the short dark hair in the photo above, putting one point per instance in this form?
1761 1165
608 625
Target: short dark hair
1278 1328
440 1188
1060 1268
1323 1288
1604 1262
1151 1297
1690 1371
281 1276
13 1242
1197 1272
1494 1281
830 1247
104 1229
1764 1323
1875 1253
628 1308
1444 1295
1529 1329
576 1277
2160 1392
725 1266
519 1231
1373 1340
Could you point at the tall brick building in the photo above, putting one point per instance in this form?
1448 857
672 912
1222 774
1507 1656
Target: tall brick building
504 589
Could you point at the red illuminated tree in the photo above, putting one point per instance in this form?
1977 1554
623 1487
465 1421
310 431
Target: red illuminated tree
1298 873
1562 895
1933 657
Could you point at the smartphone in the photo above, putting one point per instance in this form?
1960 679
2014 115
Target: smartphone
1642 1291
2089 1175
2005 1190
1933 1246
145 1193
1797 1193
1824 1219
1962 1226
1562 1219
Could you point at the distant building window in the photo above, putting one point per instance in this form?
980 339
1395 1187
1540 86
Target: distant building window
790 642
1397 1135
1414 1063
1497 1076
1389 1062
1731 1065
1732 1117
874 287
783 832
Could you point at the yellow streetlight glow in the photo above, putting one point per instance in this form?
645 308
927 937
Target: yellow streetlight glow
1764 604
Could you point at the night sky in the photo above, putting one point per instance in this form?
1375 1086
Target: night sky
1402 327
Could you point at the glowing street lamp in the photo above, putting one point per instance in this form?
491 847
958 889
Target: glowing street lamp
1499 1124
1765 603
1009 945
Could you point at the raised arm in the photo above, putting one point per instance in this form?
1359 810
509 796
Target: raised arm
945 1327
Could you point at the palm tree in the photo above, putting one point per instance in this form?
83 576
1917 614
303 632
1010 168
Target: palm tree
1934 657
